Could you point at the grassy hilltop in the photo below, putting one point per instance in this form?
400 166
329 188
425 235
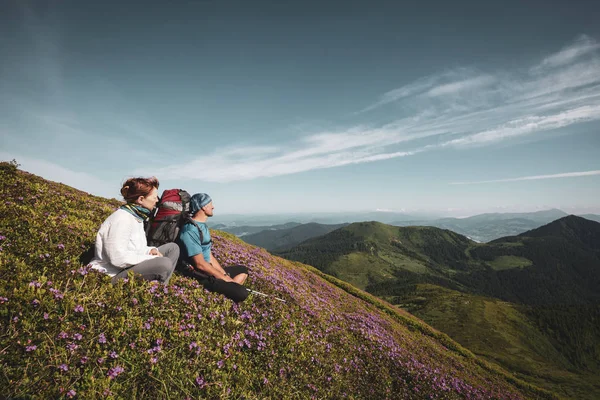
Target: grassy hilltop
66 332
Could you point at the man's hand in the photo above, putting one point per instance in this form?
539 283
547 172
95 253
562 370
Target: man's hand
226 278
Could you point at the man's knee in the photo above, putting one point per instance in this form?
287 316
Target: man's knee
231 290
238 294
240 278
235 270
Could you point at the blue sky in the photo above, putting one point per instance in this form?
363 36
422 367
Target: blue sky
455 108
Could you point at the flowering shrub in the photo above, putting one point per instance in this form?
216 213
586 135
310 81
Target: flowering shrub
67 332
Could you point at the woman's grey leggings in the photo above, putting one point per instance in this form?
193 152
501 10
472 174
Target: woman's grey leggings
157 269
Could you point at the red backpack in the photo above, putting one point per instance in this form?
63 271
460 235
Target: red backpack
171 212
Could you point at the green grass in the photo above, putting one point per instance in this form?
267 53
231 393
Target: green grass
352 268
508 262
414 323
503 334
401 261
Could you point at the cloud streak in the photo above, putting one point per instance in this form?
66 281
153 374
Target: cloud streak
461 86
533 178
584 45
455 109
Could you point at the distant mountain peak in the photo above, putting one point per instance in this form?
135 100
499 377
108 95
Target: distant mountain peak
570 228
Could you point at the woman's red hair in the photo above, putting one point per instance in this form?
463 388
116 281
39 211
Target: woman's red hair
136 187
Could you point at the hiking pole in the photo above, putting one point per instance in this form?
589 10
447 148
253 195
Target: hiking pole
265 295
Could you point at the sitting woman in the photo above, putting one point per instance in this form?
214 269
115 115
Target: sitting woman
121 244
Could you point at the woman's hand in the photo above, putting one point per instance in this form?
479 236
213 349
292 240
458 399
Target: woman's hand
155 252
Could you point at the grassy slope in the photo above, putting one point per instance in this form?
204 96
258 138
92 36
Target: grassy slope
503 333
564 256
508 262
497 330
67 332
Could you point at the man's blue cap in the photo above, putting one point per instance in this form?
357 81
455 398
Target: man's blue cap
198 201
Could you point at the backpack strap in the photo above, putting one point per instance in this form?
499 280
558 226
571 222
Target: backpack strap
148 223
200 231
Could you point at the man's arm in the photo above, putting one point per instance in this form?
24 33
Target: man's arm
216 264
240 278
209 268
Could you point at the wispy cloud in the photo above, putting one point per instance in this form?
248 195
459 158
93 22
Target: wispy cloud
446 83
229 165
461 86
528 125
535 177
583 45
459 108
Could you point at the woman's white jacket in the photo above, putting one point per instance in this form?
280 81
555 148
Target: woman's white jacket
120 243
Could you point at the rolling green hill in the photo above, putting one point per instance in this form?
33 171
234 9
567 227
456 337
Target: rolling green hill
576 230
564 257
554 264
548 272
372 252
66 332
282 239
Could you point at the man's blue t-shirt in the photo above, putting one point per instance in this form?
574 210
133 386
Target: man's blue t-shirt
190 243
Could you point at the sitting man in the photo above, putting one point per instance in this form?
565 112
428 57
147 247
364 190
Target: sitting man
195 243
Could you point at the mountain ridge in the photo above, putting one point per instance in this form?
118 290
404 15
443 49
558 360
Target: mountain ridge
441 250
571 227
490 226
480 227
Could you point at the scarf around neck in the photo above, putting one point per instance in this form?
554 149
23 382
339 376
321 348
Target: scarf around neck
137 211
